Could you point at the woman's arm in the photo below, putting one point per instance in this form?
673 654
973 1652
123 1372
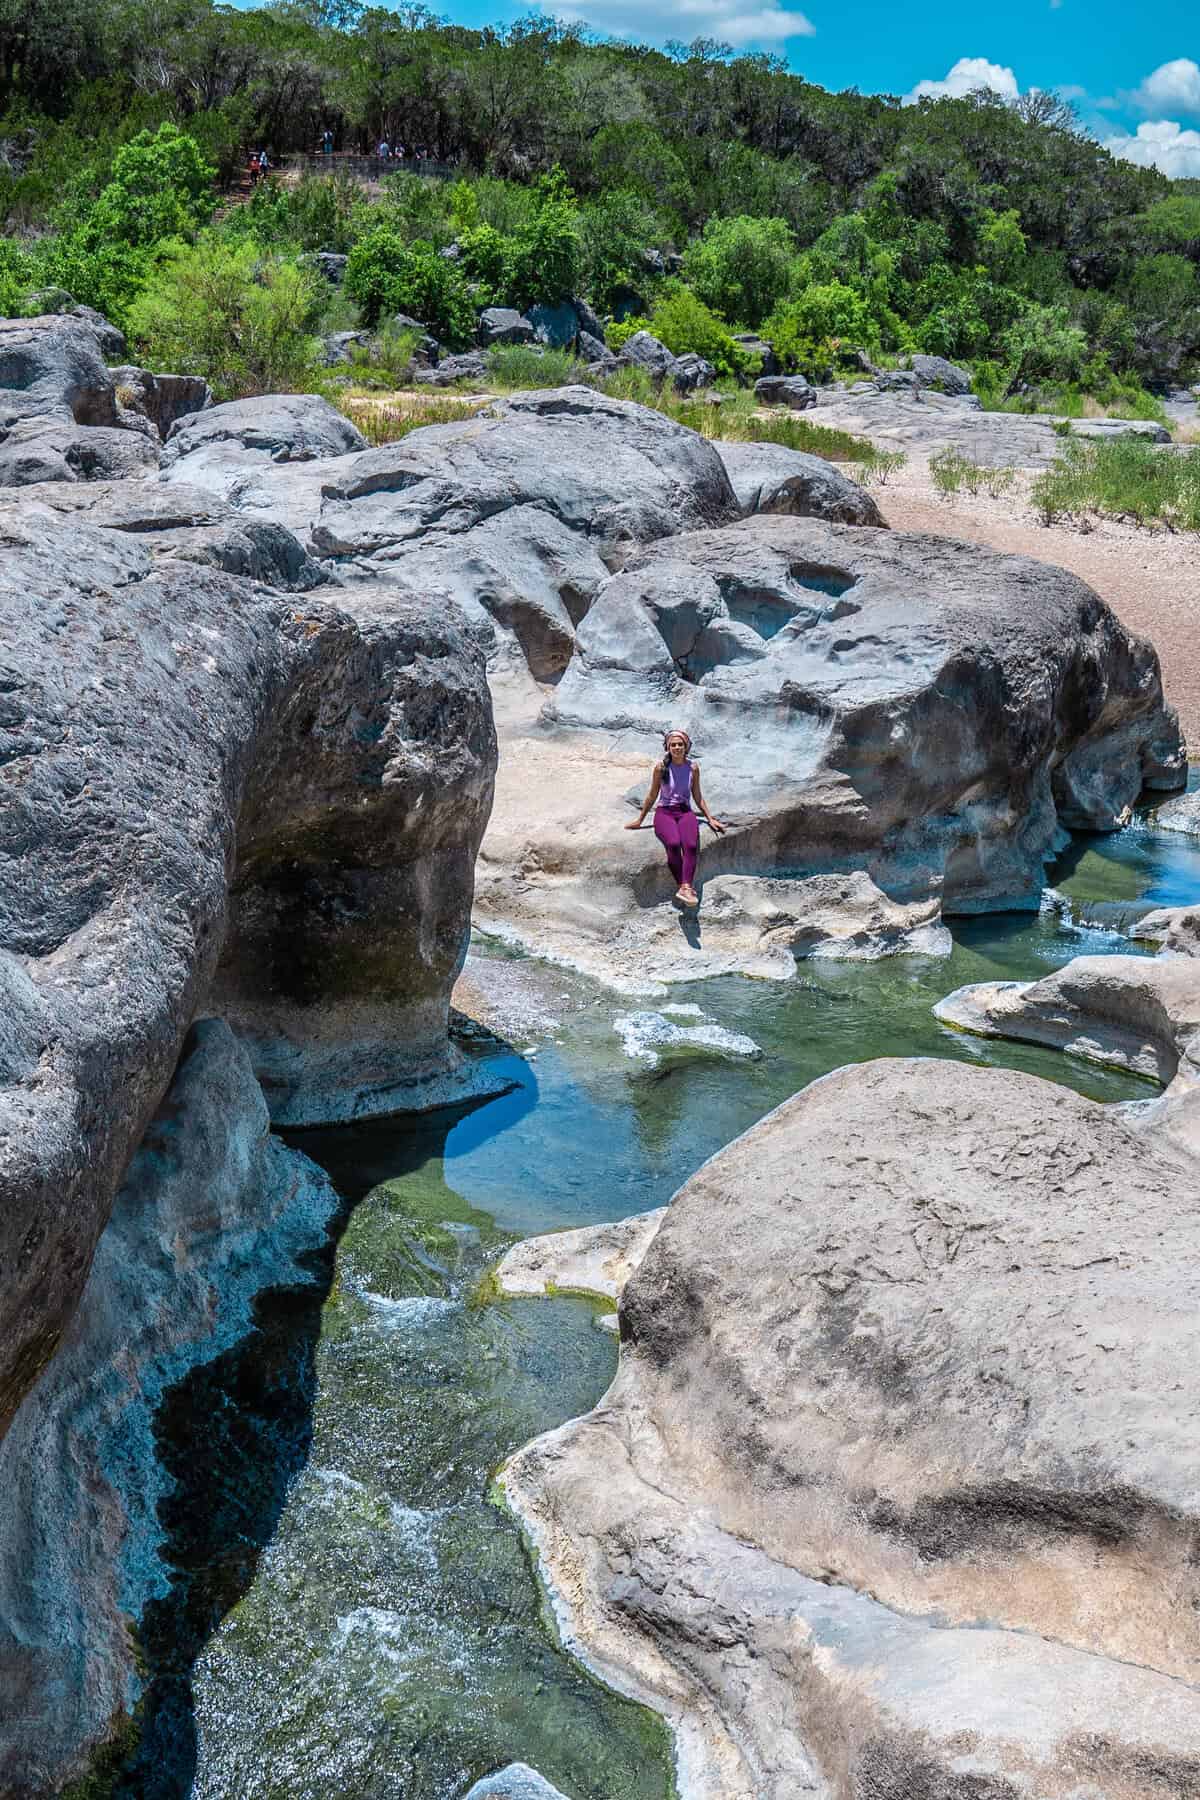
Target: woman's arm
698 797
648 802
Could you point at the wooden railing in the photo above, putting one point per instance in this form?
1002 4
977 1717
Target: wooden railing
366 168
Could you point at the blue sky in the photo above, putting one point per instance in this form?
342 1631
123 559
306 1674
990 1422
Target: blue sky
1133 72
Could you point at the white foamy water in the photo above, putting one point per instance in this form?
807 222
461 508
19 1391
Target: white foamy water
650 1038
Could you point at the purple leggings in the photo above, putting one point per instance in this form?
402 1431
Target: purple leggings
678 830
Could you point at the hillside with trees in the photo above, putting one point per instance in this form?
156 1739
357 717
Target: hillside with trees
693 189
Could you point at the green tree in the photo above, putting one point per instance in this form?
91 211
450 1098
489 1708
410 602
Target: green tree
161 187
741 267
225 310
386 275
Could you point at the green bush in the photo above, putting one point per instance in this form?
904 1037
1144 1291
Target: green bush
240 317
1123 478
741 267
161 187
614 231
822 323
684 324
485 257
384 274
545 256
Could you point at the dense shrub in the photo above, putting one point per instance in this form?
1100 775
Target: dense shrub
161 187
384 274
545 257
741 267
820 325
683 323
242 319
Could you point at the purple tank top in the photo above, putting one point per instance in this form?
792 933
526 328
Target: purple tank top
676 789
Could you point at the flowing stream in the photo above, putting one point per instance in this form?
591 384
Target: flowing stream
350 1614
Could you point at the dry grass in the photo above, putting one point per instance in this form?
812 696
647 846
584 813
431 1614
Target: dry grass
386 418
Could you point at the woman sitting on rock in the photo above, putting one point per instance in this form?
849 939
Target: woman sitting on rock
674 783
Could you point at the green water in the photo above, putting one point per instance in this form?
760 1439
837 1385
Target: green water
350 1616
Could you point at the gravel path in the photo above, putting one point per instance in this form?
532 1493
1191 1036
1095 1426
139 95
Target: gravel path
1150 578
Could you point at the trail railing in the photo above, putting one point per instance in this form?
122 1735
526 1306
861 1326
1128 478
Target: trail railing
367 168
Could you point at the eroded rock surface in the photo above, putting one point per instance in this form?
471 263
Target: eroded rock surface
894 1491
212 1209
768 478
215 795
922 422
924 713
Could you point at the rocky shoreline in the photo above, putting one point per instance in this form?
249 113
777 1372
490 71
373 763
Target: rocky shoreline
258 682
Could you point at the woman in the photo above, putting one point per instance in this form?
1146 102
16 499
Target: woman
674 784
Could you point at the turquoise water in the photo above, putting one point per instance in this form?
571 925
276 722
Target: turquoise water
351 1616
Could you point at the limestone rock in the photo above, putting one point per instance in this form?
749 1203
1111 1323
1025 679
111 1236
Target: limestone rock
691 372
588 321
504 325
470 366
159 400
877 1502
847 684
946 377
644 351
1180 814
212 1209
596 1259
769 478
53 367
54 449
279 427
785 390
596 354
920 424
221 797
754 345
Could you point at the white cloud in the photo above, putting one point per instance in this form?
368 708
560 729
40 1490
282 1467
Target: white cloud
724 20
968 74
1159 144
1173 87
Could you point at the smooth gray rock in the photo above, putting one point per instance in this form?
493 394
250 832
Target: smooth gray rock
596 354
768 478
792 391
517 1782
504 325
894 1492
922 423
644 351
212 1209
339 347
931 712
53 449
1180 814
331 264
223 799
281 427
145 399
470 366
588 321
518 513
691 372
52 367
555 326
946 377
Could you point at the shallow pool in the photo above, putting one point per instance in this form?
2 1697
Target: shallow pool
350 1616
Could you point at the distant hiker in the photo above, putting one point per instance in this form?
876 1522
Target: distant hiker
252 168
264 163
674 784
384 150
327 143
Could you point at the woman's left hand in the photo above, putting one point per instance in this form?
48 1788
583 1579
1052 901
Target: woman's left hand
717 827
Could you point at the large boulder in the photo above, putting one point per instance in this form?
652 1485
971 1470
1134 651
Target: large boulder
943 376
644 351
894 1492
518 514
222 798
504 325
690 372
53 449
769 478
595 353
212 1209
158 401
516 1782
792 391
929 713
53 367
275 427
469 366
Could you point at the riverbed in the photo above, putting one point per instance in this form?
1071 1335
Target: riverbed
351 1613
